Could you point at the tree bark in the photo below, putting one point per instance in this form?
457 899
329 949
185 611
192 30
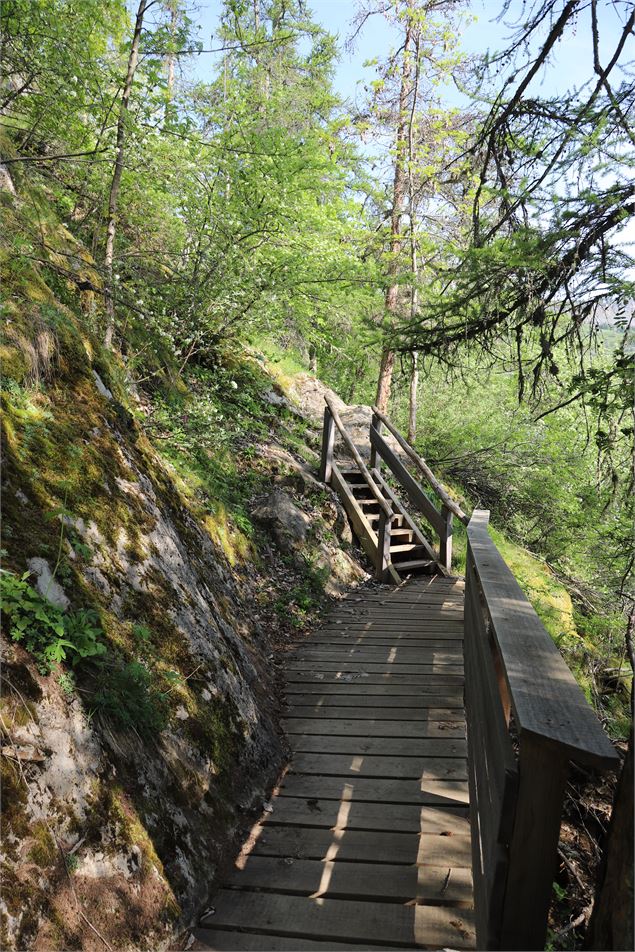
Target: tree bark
115 185
391 302
414 255
611 925
412 399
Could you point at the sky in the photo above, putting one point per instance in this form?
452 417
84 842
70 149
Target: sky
483 33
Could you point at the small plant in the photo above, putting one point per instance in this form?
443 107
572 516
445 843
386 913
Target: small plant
50 634
72 863
131 700
67 683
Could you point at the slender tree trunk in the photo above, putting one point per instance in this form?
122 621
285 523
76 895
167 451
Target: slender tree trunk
413 398
414 255
391 303
115 185
170 58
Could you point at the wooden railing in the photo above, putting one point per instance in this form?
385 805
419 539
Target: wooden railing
527 718
440 520
331 420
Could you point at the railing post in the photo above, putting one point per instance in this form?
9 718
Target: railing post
383 544
533 851
445 539
328 442
375 459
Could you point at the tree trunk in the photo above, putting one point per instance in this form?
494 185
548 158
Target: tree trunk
611 925
412 401
414 255
115 185
384 381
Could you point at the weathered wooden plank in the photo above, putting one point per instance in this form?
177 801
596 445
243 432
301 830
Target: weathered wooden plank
336 880
448 722
393 746
546 699
341 920
380 765
428 792
328 442
360 815
406 517
357 687
220 940
341 722
338 677
378 702
362 846
412 488
374 667
379 654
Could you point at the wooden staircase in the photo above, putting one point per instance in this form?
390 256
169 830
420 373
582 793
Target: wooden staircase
410 551
396 545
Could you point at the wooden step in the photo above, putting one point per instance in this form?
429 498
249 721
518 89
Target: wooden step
414 565
405 547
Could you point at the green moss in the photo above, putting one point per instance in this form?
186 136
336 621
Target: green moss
14 801
43 850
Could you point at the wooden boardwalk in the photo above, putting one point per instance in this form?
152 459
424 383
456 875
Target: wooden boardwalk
368 845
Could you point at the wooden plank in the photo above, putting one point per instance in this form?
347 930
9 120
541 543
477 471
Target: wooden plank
421 465
367 677
380 765
363 531
352 846
375 640
328 442
342 920
374 667
534 844
336 880
220 940
356 689
412 488
445 723
378 702
394 746
546 699
360 815
428 792
396 726
378 654
406 517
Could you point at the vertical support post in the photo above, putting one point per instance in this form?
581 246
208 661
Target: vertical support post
383 544
328 442
533 851
445 539
375 459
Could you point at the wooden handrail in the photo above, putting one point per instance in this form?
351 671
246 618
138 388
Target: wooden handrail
518 769
546 699
385 506
443 495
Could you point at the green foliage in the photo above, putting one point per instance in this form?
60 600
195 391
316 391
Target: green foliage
131 699
50 634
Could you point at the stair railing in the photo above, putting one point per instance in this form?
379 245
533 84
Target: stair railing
439 519
332 419
527 718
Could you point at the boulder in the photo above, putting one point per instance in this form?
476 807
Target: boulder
286 522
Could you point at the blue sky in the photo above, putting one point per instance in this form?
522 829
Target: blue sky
485 32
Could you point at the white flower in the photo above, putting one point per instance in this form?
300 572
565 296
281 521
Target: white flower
233 385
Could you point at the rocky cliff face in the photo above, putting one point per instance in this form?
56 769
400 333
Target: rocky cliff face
126 772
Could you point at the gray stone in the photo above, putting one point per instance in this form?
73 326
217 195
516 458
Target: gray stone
101 386
46 585
287 523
